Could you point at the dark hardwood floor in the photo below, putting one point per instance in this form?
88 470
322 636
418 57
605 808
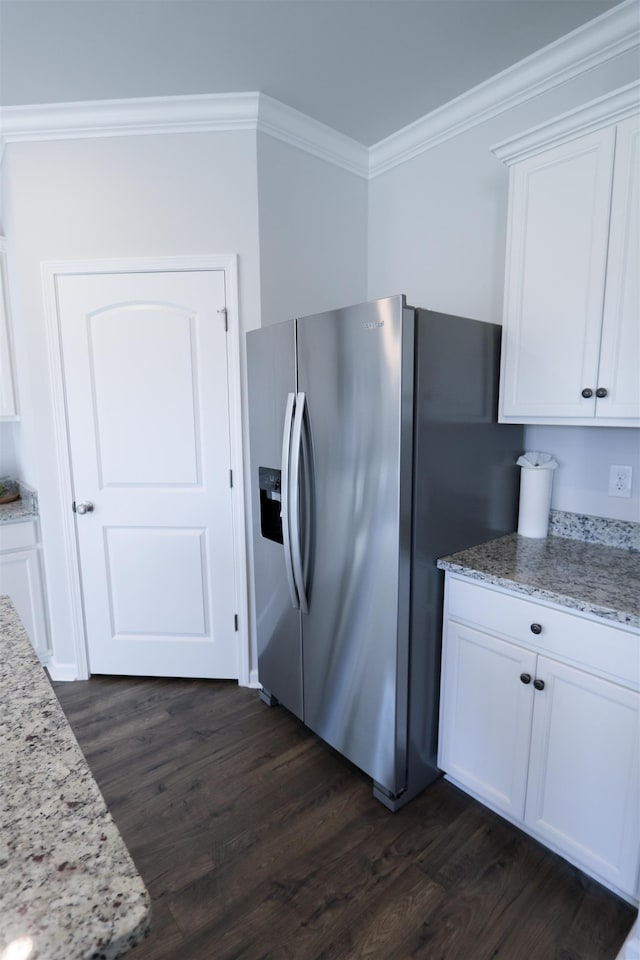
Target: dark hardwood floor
258 842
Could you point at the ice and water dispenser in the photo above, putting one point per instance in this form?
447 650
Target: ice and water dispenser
270 504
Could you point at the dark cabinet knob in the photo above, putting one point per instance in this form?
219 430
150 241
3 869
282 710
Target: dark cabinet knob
587 392
536 628
538 684
601 392
525 677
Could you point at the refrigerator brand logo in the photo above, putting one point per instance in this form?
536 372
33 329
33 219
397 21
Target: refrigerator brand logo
372 324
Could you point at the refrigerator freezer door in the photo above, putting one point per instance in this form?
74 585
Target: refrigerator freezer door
271 364
355 683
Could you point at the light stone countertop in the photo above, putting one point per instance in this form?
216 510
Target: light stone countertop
67 882
599 580
16 511
25 508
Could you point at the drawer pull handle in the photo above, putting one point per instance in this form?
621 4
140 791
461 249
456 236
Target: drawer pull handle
538 684
525 677
536 628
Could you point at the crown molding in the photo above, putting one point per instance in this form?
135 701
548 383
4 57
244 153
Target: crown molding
603 111
596 42
184 114
299 130
116 118
607 36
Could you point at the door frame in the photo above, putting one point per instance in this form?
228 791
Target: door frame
50 271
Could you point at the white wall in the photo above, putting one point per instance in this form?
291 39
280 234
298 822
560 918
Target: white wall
437 230
122 197
168 195
313 233
584 455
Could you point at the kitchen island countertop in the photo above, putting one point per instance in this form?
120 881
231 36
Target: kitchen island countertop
68 886
602 581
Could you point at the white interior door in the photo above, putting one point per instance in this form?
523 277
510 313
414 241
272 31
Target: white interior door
146 383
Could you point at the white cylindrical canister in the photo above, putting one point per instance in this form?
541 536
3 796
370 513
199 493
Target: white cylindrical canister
535 501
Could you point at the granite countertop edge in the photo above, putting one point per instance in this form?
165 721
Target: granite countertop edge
67 880
597 580
539 593
24 508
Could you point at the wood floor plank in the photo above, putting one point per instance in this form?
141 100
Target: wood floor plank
258 842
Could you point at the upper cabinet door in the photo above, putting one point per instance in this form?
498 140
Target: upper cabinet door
8 404
620 348
555 276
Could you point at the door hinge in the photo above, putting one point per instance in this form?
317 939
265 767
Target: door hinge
235 622
223 311
230 478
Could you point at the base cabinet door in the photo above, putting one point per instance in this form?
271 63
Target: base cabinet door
20 579
485 723
583 791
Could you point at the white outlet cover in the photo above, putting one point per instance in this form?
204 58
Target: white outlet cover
620 480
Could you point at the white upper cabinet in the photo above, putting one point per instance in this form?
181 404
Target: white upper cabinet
619 371
571 327
8 402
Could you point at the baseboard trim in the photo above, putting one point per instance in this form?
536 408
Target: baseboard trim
630 949
61 671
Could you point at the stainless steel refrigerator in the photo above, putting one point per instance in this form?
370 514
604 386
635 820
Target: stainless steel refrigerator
374 450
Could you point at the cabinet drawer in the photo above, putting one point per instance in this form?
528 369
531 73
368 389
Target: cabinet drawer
599 647
16 536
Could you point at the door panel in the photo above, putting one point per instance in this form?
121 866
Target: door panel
559 224
157 581
165 413
485 721
349 366
584 772
620 347
145 361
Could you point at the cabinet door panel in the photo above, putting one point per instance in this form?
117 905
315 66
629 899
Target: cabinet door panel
20 579
583 792
556 260
485 716
620 348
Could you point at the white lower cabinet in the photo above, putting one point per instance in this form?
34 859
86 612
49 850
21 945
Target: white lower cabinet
486 721
553 745
21 579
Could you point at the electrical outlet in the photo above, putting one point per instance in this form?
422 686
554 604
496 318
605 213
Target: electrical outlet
619 480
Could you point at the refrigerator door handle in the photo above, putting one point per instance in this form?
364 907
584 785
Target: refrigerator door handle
294 519
284 503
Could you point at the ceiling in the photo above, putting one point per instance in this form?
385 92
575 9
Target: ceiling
365 67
